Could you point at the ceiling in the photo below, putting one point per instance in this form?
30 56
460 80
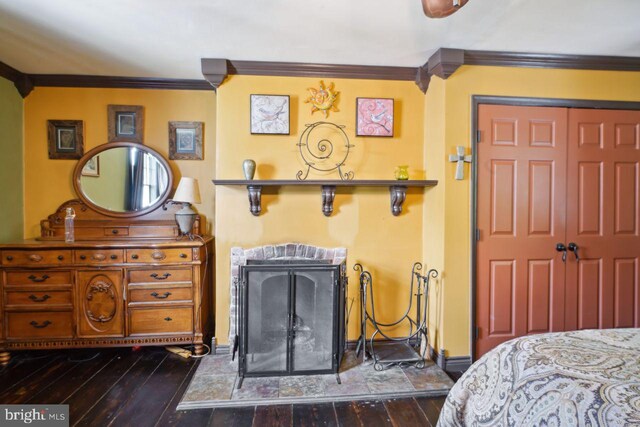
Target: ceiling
167 38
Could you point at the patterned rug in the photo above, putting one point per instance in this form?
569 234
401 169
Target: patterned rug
214 384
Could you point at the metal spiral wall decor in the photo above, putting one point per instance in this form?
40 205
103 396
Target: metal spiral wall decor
320 153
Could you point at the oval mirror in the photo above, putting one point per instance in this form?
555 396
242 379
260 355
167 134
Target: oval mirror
123 179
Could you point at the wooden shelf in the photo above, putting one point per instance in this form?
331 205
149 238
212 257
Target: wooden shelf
397 189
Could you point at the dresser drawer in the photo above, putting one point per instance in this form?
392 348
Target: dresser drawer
55 257
160 275
159 255
99 256
38 277
35 299
166 294
161 320
116 231
40 324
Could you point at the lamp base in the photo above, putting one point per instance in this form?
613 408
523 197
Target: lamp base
185 218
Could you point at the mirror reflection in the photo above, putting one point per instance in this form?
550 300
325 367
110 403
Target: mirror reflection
124 179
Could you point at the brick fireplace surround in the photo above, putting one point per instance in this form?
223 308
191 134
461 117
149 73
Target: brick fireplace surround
285 251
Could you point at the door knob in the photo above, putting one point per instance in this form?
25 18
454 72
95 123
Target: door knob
574 248
560 247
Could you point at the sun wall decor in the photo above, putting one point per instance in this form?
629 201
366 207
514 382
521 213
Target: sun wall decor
323 99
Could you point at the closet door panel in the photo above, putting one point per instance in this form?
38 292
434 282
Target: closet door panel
603 215
521 217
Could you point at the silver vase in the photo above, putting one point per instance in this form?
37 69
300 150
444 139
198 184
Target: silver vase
249 168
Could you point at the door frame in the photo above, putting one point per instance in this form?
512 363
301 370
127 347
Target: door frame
476 101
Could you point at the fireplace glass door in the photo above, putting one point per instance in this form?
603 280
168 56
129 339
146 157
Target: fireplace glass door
290 320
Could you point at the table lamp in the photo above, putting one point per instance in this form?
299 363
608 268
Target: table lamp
187 193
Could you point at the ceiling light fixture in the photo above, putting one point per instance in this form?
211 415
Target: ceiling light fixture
441 8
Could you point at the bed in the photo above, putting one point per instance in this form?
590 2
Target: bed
584 378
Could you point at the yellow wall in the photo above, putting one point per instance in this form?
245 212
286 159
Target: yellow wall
362 221
48 182
450 115
11 155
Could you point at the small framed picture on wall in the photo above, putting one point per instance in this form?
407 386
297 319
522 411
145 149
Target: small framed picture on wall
66 139
374 117
185 141
126 123
270 114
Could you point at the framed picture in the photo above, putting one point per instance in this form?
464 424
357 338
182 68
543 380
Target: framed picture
66 139
374 116
270 114
92 168
185 141
126 123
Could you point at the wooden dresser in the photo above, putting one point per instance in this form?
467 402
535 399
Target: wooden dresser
137 284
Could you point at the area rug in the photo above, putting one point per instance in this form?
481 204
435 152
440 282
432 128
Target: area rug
214 384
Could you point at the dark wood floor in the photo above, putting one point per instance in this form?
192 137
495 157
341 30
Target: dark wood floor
121 387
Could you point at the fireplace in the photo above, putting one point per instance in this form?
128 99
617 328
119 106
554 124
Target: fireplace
291 316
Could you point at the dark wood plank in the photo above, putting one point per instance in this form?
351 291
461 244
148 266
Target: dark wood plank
431 411
438 402
147 404
47 376
24 365
273 416
192 417
372 413
87 365
346 414
110 403
233 417
405 412
320 414
92 391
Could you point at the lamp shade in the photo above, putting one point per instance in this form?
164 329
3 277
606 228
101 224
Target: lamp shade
188 191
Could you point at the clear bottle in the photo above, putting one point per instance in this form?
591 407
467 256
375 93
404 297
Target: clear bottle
69 231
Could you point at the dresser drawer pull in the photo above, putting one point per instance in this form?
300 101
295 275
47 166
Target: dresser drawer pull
83 257
39 299
35 257
114 231
183 255
60 257
114 256
158 277
98 257
168 319
35 324
163 296
38 279
158 256
9 258
134 256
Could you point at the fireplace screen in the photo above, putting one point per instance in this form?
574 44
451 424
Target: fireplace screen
291 319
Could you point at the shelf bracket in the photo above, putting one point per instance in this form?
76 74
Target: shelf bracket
255 199
398 195
328 194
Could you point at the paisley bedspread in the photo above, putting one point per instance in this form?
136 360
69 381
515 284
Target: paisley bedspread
580 378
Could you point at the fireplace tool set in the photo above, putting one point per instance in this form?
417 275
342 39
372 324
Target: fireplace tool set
408 350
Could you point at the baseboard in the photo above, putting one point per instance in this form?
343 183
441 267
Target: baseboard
451 364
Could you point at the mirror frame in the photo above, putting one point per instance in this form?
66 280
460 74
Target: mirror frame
77 174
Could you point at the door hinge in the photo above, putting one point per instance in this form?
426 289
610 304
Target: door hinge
477 332
478 136
477 234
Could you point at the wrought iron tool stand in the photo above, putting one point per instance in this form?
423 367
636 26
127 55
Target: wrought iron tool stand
395 351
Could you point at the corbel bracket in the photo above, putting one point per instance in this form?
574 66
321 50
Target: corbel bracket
255 199
398 196
443 63
215 70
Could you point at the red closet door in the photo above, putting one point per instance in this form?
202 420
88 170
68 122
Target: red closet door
521 217
603 220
